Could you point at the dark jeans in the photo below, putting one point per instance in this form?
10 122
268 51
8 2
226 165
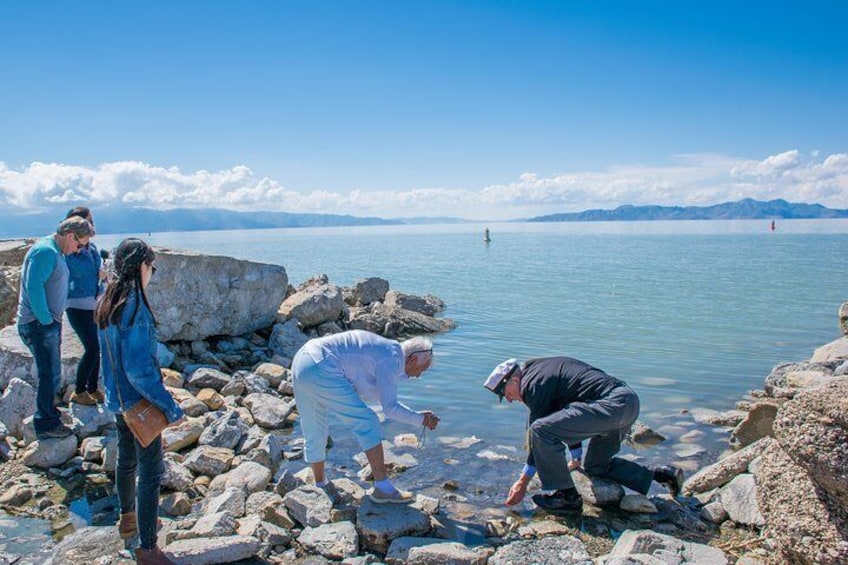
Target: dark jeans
604 422
146 463
88 369
45 343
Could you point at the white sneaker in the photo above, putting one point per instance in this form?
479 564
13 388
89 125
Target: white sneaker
399 496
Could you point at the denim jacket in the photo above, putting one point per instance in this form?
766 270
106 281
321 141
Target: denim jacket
84 266
132 346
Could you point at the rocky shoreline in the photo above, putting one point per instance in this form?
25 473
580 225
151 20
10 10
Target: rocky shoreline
236 489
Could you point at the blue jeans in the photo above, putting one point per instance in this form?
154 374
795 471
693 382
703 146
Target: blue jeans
45 344
143 498
88 369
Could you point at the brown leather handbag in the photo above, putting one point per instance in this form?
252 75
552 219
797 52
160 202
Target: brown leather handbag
144 420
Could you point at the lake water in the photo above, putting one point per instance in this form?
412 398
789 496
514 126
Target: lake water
689 313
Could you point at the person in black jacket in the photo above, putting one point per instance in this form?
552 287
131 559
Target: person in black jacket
571 401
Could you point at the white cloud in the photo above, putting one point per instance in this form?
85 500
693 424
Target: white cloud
689 179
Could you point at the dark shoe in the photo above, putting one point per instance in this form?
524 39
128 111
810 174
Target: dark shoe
128 525
83 398
152 557
560 501
671 477
58 432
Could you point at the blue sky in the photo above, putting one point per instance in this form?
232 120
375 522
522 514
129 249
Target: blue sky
478 109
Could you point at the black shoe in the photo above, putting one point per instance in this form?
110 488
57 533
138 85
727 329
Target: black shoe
671 477
560 501
58 432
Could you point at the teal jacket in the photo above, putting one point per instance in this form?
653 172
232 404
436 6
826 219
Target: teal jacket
44 284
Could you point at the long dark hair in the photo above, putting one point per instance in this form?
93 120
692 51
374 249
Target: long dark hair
130 255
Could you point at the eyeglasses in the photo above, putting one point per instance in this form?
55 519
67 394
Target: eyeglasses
421 351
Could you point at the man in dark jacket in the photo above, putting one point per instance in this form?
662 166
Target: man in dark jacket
570 401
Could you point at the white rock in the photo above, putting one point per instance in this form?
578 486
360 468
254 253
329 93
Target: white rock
333 541
637 503
421 551
47 453
379 524
637 543
17 402
739 498
211 551
249 476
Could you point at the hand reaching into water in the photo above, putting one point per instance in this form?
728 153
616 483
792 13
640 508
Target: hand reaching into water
517 492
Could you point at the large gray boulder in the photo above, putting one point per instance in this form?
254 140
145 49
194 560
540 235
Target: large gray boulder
807 526
196 296
648 547
312 306
843 318
813 430
16 359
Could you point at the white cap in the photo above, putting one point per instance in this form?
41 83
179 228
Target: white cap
496 382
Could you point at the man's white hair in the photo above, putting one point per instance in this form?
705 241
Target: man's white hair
417 344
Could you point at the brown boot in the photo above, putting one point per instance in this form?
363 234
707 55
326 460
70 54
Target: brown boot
128 526
152 557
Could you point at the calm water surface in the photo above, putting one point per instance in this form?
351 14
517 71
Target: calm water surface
688 313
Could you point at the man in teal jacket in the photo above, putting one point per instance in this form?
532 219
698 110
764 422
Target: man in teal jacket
44 293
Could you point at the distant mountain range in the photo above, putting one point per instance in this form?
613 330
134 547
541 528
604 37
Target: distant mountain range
746 209
140 220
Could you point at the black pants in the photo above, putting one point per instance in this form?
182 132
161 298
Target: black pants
88 369
138 478
604 422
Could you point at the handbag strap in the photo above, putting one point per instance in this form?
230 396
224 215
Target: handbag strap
114 369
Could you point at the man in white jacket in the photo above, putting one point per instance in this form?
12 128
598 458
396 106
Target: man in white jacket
338 373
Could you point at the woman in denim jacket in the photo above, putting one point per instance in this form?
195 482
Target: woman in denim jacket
84 286
127 331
